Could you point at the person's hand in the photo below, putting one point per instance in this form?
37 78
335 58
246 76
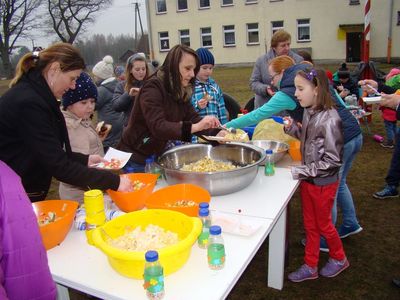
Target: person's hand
206 123
270 91
125 185
344 93
287 122
340 88
392 100
202 103
366 85
133 92
95 159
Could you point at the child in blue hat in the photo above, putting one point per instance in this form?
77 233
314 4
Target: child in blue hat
207 96
78 107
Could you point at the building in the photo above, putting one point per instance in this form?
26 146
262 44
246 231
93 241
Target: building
238 31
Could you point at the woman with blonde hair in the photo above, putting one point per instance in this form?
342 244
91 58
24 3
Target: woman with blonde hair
33 136
136 72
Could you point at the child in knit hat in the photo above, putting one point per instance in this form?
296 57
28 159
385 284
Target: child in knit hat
207 96
343 83
78 107
104 69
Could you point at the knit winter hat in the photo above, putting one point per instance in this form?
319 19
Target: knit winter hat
104 69
84 89
205 56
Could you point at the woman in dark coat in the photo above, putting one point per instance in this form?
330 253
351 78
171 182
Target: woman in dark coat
33 136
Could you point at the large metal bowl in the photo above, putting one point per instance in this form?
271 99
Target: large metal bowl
245 156
279 149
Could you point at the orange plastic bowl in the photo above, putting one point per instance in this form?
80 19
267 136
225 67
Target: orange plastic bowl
164 198
294 150
132 201
54 233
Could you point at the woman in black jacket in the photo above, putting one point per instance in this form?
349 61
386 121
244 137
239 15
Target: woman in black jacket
33 136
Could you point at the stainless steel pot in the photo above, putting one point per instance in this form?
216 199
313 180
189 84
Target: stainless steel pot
279 148
245 156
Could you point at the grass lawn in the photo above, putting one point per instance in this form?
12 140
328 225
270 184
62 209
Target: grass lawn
373 254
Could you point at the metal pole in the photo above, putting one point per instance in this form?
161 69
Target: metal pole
366 39
136 6
389 45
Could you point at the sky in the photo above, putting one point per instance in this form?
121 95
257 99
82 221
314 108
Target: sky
116 20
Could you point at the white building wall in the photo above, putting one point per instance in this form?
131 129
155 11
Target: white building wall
328 41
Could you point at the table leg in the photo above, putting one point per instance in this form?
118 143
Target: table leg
276 253
62 292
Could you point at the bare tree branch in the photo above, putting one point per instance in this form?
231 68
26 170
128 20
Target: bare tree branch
69 18
17 19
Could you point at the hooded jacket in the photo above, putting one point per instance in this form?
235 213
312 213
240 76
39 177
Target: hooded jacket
24 272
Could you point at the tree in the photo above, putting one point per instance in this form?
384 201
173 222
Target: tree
68 18
17 19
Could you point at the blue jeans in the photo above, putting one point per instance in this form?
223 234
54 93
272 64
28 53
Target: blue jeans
344 198
391 130
393 176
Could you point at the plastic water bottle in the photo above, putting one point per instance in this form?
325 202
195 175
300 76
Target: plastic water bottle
269 164
148 168
153 276
204 215
216 249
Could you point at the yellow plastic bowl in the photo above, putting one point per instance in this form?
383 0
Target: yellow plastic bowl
131 263
54 233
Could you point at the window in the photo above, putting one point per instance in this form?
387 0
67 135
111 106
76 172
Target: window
398 18
184 37
303 30
251 1
252 34
229 35
161 6
206 40
354 2
182 5
164 40
204 4
226 2
276 25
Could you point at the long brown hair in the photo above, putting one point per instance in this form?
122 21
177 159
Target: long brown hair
130 80
65 54
172 77
318 79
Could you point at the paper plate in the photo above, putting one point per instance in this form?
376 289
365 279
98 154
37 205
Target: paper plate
236 224
372 100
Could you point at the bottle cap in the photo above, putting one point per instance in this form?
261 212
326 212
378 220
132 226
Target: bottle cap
268 151
204 212
151 256
204 205
215 230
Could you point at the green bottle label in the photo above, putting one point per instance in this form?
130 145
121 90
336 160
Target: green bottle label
216 255
154 279
202 240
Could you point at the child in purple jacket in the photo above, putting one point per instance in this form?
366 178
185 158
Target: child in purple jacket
24 272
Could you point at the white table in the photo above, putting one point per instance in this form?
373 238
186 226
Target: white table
83 267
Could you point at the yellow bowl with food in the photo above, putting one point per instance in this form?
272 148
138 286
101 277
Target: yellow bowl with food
55 220
183 197
131 263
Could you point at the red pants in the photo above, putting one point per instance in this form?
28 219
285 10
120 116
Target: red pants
317 202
